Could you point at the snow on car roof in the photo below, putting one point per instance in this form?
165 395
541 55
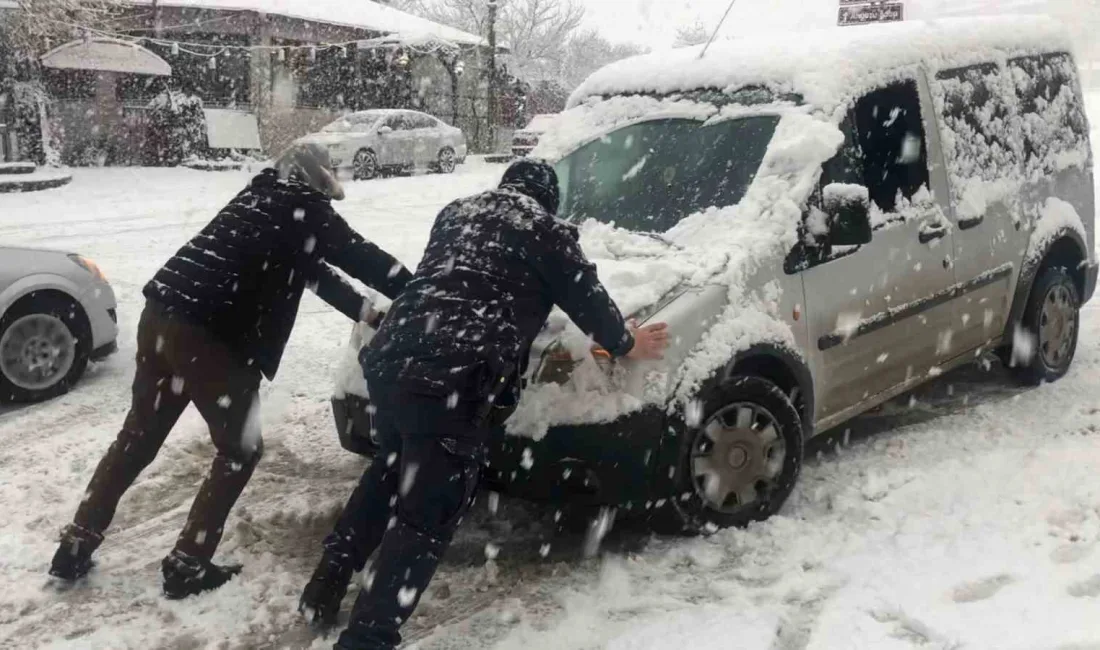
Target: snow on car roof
541 122
827 66
360 14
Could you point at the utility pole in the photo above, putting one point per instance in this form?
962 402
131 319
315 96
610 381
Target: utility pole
492 37
156 20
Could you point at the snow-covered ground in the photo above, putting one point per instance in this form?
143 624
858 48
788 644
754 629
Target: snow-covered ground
968 516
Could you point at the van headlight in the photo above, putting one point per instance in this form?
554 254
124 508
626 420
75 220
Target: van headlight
557 364
89 266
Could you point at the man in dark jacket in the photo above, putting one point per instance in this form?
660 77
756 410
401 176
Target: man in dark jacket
447 357
217 315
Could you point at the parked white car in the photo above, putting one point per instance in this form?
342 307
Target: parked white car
527 138
371 142
57 311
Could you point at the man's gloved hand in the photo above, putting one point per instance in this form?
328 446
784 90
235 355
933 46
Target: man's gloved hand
374 318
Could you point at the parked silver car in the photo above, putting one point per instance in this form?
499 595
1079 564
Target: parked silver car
57 311
372 142
527 138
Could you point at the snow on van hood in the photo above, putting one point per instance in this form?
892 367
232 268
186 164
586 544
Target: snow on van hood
721 246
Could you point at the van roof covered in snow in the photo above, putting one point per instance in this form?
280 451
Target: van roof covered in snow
827 66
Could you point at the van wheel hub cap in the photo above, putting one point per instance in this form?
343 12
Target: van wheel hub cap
737 457
36 351
1057 325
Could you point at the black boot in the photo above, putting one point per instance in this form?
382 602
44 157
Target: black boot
189 576
73 558
325 591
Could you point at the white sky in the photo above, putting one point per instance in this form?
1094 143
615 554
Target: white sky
654 22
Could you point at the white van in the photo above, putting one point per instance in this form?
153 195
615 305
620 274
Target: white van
825 221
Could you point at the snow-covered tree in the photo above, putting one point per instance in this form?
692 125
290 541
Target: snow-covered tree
694 34
544 37
588 51
30 30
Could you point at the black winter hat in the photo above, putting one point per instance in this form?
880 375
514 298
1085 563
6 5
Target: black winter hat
310 163
536 179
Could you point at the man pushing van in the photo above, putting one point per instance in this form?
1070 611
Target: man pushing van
443 370
217 315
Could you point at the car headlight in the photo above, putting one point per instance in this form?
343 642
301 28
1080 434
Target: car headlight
89 266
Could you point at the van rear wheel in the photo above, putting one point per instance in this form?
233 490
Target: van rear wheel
1047 342
740 463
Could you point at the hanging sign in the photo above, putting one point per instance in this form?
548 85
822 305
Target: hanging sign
861 12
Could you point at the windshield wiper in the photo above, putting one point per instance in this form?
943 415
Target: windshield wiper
661 238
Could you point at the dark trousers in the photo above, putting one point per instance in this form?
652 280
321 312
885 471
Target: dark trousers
408 505
177 364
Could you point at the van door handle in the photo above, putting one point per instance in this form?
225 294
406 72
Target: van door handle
967 224
929 233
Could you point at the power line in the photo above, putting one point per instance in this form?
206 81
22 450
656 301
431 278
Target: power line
437 44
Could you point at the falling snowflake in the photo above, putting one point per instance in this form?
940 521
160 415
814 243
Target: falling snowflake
406 596
299 214
311 243
225 401
491 551
693 413
408 478
177 385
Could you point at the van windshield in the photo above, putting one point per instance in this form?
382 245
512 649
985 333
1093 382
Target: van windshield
648 176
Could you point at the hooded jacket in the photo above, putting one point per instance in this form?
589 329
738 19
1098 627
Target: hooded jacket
242 277
495 265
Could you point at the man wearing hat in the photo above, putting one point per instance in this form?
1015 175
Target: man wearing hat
442 371
217 316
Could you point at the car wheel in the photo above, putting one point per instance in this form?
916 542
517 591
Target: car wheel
365 165
447 161
1050 324
740 463
45 342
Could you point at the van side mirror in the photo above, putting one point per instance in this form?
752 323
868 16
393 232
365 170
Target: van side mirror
384 130
848 209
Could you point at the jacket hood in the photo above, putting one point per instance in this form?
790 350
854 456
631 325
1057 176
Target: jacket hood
536 179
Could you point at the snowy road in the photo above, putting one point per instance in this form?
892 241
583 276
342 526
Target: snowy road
966 518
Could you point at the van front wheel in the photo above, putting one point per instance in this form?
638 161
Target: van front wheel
740 462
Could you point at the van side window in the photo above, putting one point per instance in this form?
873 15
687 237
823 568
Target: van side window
884 150
978 107
1053 118
890 136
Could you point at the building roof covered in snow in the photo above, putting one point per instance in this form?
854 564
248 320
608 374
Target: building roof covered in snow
359 14
827 66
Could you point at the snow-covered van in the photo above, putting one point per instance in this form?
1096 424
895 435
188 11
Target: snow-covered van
825 221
